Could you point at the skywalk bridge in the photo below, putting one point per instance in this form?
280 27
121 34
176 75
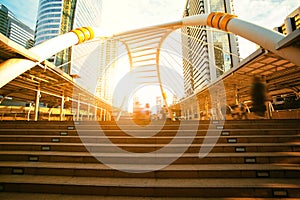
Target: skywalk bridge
25 75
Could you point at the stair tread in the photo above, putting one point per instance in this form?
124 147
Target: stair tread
26 196
148 145
177 167
145 129
156 137
153 182
68 153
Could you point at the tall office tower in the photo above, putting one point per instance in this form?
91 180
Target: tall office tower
14 29
48 20
66 24
60 16
291 22
107 80
207 52
85 59
4 27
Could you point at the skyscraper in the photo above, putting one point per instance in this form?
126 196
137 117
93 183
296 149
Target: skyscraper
48 20
60 16
3 20
207 52
86 60
14 29
66 24
107 56
87 13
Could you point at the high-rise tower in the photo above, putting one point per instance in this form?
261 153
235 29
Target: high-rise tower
48 20
108 58
60 16
14 29
3 20
88 61
207 52
87 13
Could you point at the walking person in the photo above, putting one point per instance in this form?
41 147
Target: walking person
258 96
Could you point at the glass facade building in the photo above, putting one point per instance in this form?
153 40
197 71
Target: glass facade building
108 59
63 58
3 20
48 20
207 52
14 29
60 16
85 60
87 13
88 60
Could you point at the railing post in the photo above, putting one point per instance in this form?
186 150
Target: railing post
95 113
78 110
37 102
62 105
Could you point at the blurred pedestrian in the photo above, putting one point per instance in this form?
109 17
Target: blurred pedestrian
258 96
164 112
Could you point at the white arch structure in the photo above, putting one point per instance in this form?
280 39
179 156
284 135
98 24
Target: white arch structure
266 38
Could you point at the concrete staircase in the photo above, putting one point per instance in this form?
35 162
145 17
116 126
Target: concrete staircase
251 159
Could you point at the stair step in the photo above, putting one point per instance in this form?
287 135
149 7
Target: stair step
249 124
148 158
152 140
26 196
171 171
151 186
144 148
145 133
